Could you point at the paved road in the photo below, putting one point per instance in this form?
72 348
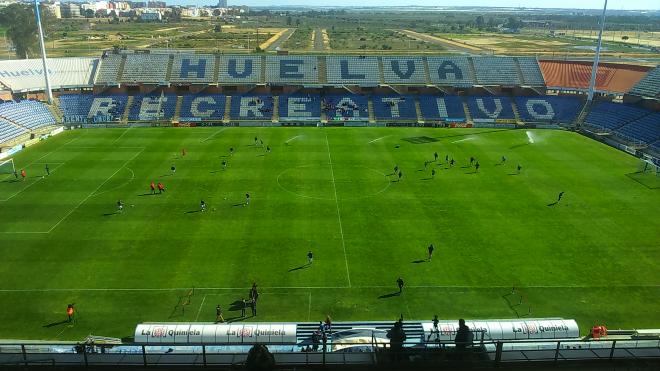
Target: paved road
318 39
279 42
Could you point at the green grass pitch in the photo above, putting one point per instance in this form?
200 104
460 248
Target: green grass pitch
593 257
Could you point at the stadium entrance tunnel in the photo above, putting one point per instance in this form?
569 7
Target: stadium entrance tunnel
326 182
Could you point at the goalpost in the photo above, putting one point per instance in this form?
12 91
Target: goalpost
7 166
648 167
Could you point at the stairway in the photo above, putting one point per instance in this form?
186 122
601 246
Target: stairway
372 115
418 110
216 70
583 114
276 109
521 77
227 117
263 69
127 110
323 77
468 116
516 112
177 110
473 70
55 110
427 71
170 63
381 68
120 71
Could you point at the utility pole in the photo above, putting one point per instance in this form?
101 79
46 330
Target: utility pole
594 69
49 92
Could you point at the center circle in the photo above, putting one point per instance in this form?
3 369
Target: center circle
321 181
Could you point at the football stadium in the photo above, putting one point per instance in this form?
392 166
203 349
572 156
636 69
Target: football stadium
170 207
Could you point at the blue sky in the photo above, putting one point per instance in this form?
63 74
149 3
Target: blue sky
593 4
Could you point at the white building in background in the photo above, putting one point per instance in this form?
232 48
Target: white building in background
54 9
70 10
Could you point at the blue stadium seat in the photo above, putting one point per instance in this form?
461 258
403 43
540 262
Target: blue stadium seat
152 107
292 69
193 68
28 113
362 70
645 129
435 108
649 86
549 109
75 107
531 71
107 108
300 107
251 107
146 68
200 107
349 107
489 108
109 69
496 71
404 70
9 131
608 115
395 107
451 71
239 69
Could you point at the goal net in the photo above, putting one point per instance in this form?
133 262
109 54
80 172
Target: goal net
648 167
7 166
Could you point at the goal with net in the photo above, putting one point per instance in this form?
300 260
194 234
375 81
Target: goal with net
7 166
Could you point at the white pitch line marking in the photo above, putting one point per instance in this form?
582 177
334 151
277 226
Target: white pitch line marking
200 308
212 135
33 183
341 228
377 139
122 135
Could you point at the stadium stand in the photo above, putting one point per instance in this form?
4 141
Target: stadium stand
397 107
9 131
496 71
574 75
362 70
649 86
300 107
292 69
107 108
28 113
404 70
239 69
451 71
201 107
75 107
488 109
26 75
109 70
350 107
435 108
193 68
549 109
645 129
152 107
609 116
531 72
145 68
251 107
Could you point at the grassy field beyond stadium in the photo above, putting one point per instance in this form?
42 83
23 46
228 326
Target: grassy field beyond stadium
593 257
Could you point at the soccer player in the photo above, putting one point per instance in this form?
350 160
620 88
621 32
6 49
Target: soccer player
247 199
224 165
310 257
503 160
561 194
161 187
70 312
120 206
396 169
446 158
15 174
23 174
153 187
268 149
451 163
471 160
436 156
435 329
183 152
231 151
202 205
255 141
244 305
47 170
218 314
400 283
173 168
262 142
519 168
476 166
431 248
433 173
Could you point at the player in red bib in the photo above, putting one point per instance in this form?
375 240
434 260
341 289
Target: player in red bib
161 187
153 187
23 174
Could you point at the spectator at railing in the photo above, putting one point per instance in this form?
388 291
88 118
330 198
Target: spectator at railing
463 335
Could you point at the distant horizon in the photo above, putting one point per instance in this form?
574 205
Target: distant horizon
557 4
